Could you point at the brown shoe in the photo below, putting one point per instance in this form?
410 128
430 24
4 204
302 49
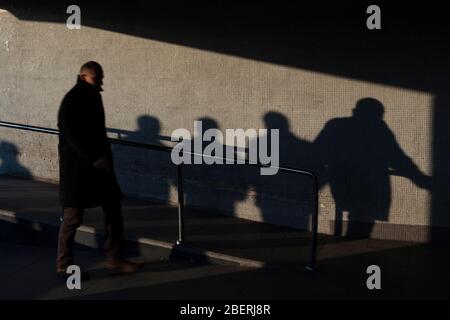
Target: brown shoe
123 266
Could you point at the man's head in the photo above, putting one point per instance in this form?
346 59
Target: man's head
369 108
92 73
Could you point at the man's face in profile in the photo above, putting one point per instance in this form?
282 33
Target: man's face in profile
94 77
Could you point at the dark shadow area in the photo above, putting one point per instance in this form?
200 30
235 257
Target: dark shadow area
143 219
9 160
355 155
358 155
213 186
409 272
144 173
440 206
157 266
324 36
284 198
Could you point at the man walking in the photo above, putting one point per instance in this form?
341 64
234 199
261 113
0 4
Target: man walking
87 177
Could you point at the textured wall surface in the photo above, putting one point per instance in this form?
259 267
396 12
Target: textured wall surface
152 87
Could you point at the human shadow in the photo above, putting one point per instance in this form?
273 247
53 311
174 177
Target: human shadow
144 173
285 197
214 186
9 161
358 155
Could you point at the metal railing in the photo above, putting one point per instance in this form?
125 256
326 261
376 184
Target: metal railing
181 234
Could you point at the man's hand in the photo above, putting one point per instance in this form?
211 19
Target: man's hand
103 164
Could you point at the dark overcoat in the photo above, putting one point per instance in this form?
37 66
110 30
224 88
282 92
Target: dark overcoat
83 140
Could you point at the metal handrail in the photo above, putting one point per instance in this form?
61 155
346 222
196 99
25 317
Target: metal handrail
181 238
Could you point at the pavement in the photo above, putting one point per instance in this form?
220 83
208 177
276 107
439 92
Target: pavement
242 259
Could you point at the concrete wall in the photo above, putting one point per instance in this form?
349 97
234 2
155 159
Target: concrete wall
154 86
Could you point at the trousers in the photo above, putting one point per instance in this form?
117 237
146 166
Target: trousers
73 218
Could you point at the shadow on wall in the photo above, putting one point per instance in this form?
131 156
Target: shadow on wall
358 155
355 155
142 172
285 197
216 186
9 160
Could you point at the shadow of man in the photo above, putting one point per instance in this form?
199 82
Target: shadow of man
148 130
9 161
219 186
293 190
359 154
144 172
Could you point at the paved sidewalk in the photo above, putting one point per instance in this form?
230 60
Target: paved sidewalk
29 218
27 272
224 238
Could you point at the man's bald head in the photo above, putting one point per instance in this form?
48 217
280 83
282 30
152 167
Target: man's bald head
92 72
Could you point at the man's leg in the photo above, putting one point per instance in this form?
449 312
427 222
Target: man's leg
113 231
72 219
114 245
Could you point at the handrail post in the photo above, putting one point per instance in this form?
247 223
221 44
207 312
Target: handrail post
314 226
180 204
